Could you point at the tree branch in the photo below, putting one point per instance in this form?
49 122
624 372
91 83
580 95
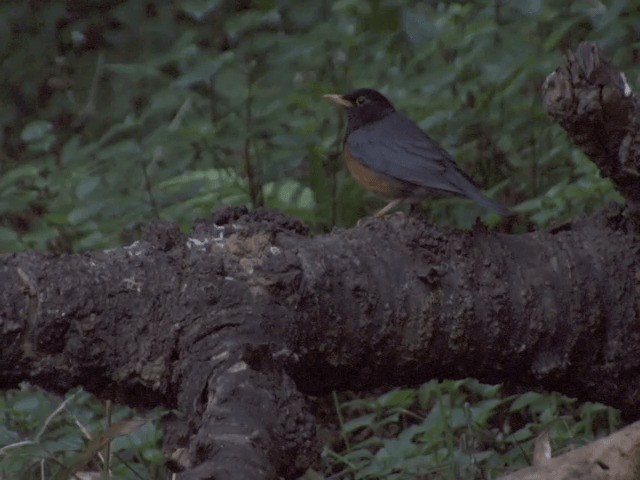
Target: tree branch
593 102
231 324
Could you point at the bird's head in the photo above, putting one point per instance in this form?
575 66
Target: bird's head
363 106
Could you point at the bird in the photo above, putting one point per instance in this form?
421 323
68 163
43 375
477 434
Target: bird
388 154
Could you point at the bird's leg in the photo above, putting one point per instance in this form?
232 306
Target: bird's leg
392 204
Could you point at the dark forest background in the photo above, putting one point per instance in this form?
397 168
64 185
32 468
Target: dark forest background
117 113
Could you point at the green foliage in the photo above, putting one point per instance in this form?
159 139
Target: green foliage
118 113
456 429
42 437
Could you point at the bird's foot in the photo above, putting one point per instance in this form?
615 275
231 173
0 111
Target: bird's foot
390 206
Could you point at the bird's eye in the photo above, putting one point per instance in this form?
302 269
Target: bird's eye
361 101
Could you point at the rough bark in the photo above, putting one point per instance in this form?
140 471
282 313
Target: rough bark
235 324
593 102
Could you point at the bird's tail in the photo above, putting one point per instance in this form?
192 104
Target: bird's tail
481 199
465 186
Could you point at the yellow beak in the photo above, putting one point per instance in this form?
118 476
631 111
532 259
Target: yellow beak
338 100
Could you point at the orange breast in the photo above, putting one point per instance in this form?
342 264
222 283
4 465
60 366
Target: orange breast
379 183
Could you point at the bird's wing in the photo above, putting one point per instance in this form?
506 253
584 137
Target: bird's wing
397 147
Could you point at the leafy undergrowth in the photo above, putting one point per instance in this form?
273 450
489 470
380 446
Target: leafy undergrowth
43 436
455 430
441 430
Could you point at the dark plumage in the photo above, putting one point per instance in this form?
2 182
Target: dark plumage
390 155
